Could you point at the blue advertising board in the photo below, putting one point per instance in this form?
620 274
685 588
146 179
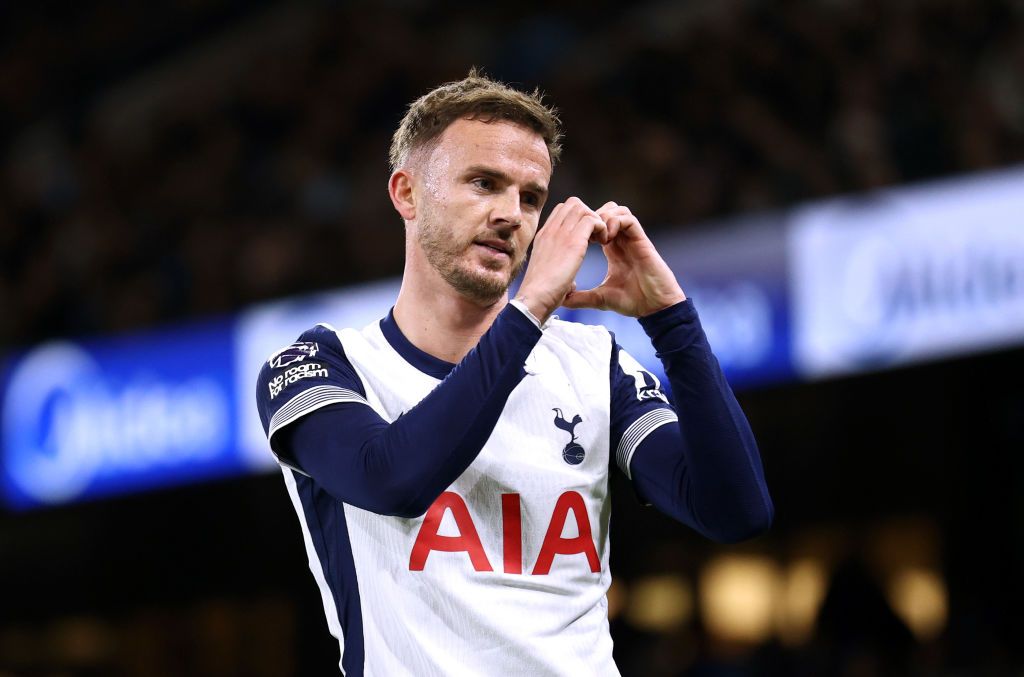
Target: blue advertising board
83 419
907 275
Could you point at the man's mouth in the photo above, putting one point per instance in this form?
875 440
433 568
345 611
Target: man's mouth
497 246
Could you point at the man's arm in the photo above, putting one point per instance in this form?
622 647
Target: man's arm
705 470
322 426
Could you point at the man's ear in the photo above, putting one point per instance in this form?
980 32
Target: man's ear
402 197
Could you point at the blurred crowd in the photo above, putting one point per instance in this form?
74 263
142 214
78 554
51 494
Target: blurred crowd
176 159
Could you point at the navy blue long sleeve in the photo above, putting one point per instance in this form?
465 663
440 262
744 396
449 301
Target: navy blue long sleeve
400 468
706 472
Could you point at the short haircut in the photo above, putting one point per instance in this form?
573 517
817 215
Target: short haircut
475 97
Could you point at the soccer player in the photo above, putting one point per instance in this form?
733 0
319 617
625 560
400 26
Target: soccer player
449 464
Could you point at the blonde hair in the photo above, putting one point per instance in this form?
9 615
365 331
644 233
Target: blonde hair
475 97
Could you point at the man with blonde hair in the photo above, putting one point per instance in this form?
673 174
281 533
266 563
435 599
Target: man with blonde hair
449 464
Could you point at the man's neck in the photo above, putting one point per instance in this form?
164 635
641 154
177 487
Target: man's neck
443 323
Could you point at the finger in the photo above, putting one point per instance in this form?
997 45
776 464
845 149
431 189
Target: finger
554 218
617 221
616 210
599 230
572 210
612 208
615 216
625 223
576 206
587 298
586 222
631 228
613 223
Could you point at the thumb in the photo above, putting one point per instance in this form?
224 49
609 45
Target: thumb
587 298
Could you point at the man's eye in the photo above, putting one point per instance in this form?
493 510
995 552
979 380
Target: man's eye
483 183
531 199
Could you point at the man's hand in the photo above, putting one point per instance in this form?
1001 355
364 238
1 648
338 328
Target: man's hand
558 252
639 282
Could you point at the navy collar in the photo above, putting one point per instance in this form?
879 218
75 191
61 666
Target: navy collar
425 362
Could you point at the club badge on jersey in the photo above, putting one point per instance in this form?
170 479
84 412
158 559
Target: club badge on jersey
573 453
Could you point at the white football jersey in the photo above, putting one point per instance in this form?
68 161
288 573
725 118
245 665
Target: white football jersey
506 573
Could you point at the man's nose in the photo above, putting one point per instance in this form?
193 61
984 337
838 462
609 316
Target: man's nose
507 210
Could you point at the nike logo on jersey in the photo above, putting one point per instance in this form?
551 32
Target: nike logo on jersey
650 389
647 385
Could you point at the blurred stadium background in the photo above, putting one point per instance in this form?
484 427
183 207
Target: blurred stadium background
184 185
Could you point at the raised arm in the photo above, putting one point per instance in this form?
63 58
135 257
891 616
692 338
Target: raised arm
321 425
704 471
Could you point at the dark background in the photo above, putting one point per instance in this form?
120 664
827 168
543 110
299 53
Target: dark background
171 160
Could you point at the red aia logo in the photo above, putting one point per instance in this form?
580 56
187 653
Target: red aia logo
468 540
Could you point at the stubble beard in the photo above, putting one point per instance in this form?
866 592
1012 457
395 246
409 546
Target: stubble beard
451 260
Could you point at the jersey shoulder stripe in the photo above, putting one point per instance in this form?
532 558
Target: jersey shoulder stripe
635 434
311 400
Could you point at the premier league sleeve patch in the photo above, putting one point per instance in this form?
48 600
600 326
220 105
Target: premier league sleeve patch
293 364
296 352
304 376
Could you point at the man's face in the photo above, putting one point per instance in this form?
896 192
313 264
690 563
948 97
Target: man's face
480 192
